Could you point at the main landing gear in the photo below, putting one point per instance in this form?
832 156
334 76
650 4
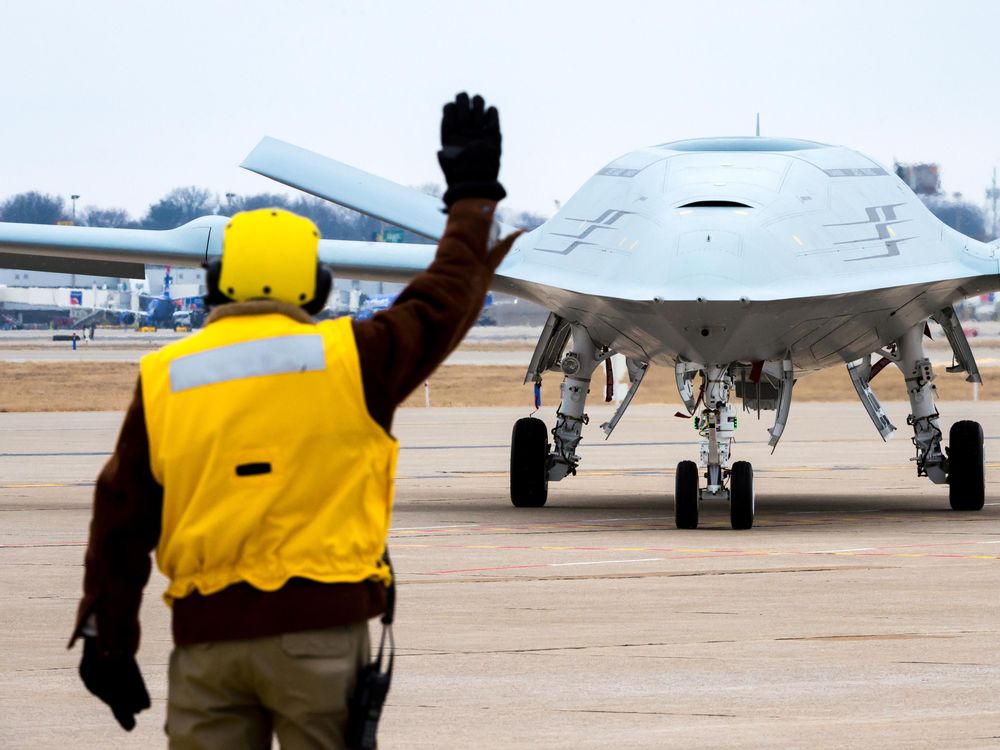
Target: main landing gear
962 465
533 461
963 468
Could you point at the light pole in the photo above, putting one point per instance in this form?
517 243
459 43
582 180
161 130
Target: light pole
993 195
74 198
229 201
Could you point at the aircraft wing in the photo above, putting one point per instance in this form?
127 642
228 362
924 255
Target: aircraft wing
350 187
124 252
108 252
377 261
346 186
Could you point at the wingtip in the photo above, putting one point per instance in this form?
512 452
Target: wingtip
264 144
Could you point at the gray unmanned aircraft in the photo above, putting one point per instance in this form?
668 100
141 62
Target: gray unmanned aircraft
741 263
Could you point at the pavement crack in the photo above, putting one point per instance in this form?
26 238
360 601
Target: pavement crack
435 578
641 713
947 663
551 649
869 637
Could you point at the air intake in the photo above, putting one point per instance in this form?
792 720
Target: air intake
715 204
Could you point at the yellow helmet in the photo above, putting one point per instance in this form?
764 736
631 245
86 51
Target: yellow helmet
269 253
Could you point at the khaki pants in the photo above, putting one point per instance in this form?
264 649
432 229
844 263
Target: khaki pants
234 694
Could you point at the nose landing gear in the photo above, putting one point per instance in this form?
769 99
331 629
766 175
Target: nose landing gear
716 424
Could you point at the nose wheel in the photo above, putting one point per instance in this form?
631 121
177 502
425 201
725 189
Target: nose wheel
687 495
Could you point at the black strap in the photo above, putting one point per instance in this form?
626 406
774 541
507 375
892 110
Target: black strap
387 618
390 595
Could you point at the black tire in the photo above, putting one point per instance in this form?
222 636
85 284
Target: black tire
529 465
686 495
741 496
966 466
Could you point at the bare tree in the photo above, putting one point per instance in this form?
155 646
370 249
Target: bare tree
250 202
116 218
179 206
33 208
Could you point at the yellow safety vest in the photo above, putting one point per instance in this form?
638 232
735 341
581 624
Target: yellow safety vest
270 463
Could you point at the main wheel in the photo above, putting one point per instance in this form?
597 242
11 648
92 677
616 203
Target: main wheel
966 466
529 469
741 497
686 495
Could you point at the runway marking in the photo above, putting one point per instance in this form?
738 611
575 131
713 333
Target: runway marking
838 551
794 518
820 512
606 562
686 553
593 525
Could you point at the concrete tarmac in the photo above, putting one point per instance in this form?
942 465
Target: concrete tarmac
859 612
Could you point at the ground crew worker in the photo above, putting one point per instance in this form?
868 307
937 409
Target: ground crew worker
256 457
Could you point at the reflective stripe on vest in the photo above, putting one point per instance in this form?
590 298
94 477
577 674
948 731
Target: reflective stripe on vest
270 463
271 356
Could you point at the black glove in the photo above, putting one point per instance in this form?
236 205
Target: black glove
470 150
115 679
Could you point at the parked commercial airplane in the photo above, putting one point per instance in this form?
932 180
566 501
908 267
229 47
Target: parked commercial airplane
741 263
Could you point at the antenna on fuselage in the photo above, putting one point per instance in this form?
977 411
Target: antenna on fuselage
758 125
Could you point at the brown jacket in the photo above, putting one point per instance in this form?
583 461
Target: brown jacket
398 349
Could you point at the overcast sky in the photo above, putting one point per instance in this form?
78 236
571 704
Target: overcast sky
122 101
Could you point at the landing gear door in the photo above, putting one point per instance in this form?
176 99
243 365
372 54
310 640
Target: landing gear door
860 377
549 348
964 358
610 425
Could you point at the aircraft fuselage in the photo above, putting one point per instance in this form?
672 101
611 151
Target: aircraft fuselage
739 249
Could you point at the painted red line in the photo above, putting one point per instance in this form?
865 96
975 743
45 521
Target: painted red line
962 556
708 557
